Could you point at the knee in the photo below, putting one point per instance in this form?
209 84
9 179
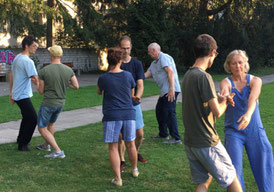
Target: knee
139 136
42 130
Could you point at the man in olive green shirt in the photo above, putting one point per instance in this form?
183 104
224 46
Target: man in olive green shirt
200 105
54 79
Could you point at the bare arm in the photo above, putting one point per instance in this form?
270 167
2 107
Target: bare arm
99 92
218 107
170 76
35 80
148 74
255 86
140 91
225 88
41 87
11 85
74 83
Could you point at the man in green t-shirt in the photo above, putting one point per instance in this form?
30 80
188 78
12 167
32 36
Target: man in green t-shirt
206 154
54 80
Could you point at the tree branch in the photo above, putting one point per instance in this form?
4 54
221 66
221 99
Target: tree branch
219 9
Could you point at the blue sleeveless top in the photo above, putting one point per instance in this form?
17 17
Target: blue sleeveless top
232 114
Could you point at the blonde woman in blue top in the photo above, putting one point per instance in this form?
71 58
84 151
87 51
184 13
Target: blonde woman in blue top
117 86
243 125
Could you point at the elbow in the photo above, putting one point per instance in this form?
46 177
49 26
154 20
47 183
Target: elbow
217 113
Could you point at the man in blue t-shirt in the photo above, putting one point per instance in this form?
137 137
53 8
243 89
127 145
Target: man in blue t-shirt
22 72
135 67
163 70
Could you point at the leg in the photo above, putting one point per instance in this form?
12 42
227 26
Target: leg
259 151
161 118
51 129
139 138
28 123
235 186
48 136
234 146
203 187
121 148
114 159
170 110
132 153
129 134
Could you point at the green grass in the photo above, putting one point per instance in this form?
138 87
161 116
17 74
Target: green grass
76 99
87 167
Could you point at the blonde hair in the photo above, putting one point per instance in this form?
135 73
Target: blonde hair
231 55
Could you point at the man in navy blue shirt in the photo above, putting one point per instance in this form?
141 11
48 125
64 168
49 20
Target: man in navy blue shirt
135 67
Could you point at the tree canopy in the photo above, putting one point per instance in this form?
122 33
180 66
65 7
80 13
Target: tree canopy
174 24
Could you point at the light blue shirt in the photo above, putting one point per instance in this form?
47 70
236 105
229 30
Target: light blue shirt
160 75
22 69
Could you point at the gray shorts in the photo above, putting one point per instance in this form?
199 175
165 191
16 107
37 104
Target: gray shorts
211 161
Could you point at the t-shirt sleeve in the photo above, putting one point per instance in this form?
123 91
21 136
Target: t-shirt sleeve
30 68
165 61
139 71
207 88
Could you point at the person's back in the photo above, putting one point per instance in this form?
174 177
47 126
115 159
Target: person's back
56 78
199 121
117 103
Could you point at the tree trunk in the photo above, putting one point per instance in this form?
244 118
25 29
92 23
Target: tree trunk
49 24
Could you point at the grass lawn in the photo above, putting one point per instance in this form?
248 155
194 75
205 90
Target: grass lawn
87 167
76 99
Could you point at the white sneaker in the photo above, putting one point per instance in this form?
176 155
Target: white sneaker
54 154
43 147
135 173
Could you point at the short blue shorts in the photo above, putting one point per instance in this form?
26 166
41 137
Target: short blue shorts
139 117
48 115
112 130
211 161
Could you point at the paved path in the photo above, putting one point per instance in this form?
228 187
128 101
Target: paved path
79 117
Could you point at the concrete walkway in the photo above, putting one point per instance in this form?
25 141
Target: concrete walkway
79 117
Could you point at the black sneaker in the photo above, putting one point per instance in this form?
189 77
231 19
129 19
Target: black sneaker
159 137
23 148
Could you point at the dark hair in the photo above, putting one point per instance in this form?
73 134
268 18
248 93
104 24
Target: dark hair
203 45
28 40
125 37
114 56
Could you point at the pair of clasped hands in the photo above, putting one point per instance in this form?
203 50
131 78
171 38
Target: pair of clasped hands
244 119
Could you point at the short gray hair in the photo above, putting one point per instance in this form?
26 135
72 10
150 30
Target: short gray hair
155 46
231 55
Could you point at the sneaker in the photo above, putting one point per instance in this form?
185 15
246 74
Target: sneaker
135 172
43 147
159 137
54 154
122 166
117 182
173 141
141 159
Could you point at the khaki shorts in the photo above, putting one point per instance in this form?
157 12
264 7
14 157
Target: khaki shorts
211 161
